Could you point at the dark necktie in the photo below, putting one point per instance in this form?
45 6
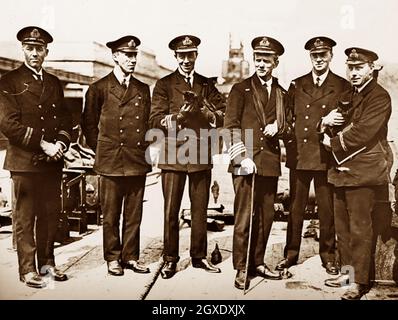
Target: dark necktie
265 93
355 91
188 81
124 84
38 78
318 82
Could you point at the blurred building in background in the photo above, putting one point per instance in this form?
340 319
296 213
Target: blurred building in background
235 69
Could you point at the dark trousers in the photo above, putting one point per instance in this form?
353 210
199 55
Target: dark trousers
119 193
173 183
36 213
264 196
300 181
353 208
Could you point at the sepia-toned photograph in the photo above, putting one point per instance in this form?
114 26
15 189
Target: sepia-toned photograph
220 152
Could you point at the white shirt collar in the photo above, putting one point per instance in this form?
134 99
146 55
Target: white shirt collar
120 75
34 70
364 85
185 74
268 82
321 77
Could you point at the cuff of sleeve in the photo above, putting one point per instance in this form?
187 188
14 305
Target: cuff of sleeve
32 138
64 137
336 144
64 147
169 121
237 153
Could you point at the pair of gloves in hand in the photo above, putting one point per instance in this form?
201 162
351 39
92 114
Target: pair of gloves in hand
53 151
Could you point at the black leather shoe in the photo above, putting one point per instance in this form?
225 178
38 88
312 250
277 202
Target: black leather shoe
240 280
136 266
265 272
355 292
284 264
331 268
56 274
204 264
340 281
33 280
168 270
114 268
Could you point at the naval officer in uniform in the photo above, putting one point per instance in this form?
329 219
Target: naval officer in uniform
176 115
114 122
256 104
311 98
36 122
359 170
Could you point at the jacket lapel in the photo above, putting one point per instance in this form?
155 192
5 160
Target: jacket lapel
179 84
48 87
308 85
131 92
258 98
327 88
115 88
357 99
32 85
198 83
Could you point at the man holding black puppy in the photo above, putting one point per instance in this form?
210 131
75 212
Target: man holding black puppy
179 106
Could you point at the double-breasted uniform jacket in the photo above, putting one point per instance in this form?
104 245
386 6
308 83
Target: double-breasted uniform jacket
244 113
166 101
115 122
366 126
31 110
307 105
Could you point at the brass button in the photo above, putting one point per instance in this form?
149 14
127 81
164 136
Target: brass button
120 118
121 130
41 118
55 117
139 97
138 130
138 143
137 117
261 138
323 107
262 148
308 106
137 104
121 143
42 129
305 140
54 105
39 106
305 129
307 117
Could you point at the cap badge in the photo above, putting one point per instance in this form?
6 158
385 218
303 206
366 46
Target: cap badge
354 54
35 33
318 43
131 44
264 42
187 41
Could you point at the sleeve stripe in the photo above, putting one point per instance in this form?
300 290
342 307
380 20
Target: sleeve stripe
341 138
167 121
236 150
66 134
28 136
